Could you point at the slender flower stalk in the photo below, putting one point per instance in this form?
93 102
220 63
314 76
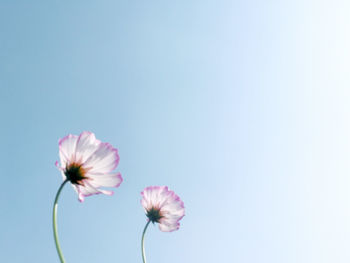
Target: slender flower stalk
54 222
143 242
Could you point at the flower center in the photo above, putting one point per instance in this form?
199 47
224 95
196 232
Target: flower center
75 173
154 215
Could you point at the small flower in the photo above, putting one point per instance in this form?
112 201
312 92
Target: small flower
163 206
88 164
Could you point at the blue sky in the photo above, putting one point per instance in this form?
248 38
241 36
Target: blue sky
240 107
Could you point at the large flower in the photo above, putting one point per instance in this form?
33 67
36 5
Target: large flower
88 164
163 206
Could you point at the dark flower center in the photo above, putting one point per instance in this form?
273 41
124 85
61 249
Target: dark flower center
75 173
154 215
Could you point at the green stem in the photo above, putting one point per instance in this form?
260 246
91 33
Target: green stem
143 242
54 223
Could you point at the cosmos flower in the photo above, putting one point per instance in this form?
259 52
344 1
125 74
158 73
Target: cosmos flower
88 164
163 206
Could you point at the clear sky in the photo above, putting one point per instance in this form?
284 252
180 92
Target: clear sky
241 107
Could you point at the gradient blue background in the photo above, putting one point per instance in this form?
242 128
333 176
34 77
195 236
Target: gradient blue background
241 107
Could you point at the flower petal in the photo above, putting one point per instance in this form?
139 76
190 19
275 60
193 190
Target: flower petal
87 189
106 180
103 160
169 228
155 196
87 144
67 147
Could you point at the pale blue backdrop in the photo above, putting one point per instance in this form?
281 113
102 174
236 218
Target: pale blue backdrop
241 107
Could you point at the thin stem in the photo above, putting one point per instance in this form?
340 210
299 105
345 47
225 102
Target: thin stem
143 242
54 222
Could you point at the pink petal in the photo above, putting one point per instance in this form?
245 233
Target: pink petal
58 166
169 228
87 189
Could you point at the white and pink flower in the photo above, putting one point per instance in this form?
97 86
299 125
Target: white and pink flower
163 206
88 164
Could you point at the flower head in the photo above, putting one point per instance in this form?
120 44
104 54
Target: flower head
163 206
88 164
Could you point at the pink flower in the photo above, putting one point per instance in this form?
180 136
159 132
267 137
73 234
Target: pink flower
163 206
88 164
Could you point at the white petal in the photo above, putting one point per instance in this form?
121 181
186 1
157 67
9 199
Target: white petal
67 147
103 160
87 144
155 196
169 228
174 208
106 180
87 189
